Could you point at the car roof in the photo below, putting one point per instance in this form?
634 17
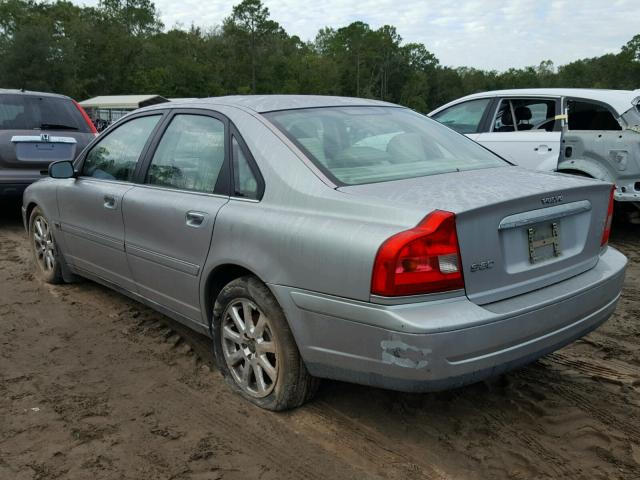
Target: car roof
619 100
269 103
30 93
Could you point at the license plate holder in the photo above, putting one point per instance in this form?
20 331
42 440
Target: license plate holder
544 242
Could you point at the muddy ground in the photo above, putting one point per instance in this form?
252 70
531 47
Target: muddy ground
94 385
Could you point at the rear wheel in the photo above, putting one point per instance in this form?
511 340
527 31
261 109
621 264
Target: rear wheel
255 349
44 249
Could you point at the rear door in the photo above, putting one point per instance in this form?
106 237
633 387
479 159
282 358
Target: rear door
36 130
525 132
91 205
169 216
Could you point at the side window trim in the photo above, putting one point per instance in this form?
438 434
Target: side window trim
222 184
234 133
489 113
82 158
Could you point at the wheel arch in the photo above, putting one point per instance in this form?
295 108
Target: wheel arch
214 282
29 208
586 167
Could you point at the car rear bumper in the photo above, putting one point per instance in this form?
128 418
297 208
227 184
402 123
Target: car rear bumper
14 182
12 189
444 344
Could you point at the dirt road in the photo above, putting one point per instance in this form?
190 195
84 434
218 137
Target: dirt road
93 385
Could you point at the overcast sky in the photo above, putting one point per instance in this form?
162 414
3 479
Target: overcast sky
488 34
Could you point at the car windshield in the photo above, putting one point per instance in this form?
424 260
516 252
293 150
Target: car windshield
358 145
31 112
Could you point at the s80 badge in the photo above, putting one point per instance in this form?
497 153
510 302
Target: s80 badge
479 266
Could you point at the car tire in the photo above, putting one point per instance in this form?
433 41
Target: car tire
260 359
45 252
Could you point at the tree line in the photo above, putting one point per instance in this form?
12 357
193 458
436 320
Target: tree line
121 46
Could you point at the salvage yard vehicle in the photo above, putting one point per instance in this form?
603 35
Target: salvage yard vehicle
327 237
36 129
587 132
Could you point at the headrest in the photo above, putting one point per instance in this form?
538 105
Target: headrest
523 113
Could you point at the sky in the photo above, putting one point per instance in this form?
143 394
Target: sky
486 34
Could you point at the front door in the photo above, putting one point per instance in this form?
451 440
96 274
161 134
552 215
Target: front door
169 217
526 132
91 205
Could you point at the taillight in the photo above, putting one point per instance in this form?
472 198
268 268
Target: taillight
425 259
92 127
607 225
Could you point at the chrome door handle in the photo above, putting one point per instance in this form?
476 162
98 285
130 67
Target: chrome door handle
109 201
195 219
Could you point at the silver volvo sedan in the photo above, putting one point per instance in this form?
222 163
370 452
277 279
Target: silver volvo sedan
325 237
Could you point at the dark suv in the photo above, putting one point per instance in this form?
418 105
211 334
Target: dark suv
35 130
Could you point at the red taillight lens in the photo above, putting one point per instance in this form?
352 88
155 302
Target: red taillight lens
607 225
92 127
425 259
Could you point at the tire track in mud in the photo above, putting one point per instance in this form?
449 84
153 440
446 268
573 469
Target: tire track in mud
609 370
351 438
557 466
576 394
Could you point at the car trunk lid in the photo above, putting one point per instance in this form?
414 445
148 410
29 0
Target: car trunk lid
518 230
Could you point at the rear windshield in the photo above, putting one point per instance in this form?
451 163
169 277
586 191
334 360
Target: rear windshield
30 112
358 145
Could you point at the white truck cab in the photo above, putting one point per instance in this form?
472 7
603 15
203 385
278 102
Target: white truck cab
588 132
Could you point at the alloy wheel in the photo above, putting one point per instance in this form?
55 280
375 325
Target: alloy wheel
249 347
43 244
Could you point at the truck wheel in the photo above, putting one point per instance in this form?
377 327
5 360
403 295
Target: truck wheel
255 349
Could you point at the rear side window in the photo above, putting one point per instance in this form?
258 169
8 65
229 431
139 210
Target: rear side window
465 117
190 154
115 156
30 112
590 116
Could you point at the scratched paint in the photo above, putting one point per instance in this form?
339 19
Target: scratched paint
399 353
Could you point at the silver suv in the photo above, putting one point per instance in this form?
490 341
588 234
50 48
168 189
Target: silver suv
36 129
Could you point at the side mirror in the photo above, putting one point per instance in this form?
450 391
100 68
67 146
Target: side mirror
62 169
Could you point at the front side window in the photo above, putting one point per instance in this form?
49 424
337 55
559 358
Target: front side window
115 156
190 154
465 117
522 115
585 115
358 145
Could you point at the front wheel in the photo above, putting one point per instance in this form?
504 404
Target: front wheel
255 349
44 249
